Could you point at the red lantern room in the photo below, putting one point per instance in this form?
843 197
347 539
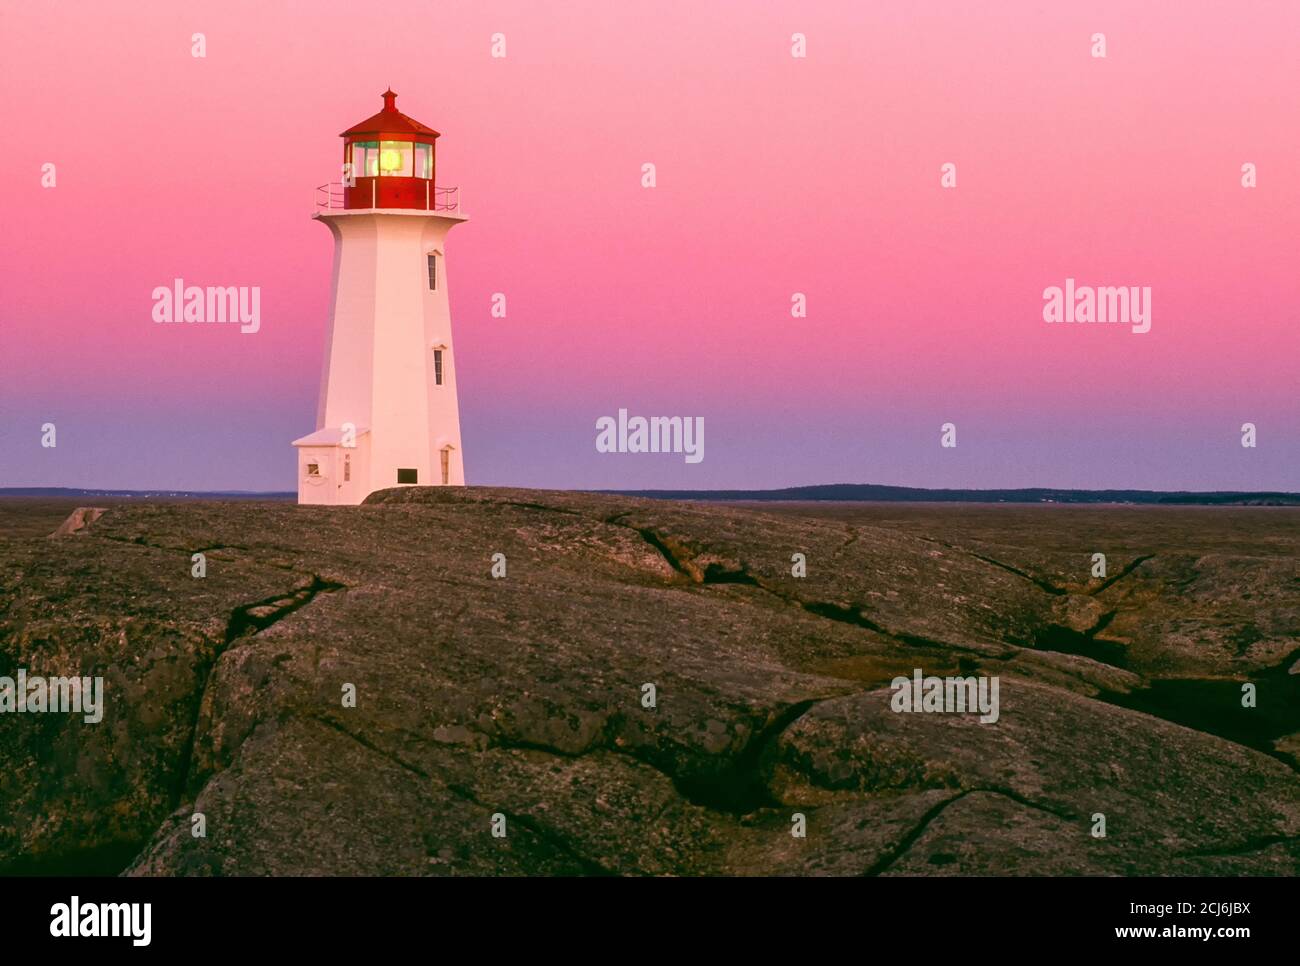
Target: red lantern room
391 158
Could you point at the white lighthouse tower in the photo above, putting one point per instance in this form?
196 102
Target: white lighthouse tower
387 414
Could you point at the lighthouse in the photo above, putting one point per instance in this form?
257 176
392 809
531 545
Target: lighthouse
387 414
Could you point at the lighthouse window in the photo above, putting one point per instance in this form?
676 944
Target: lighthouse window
395 159
365 159
437 367
446 465
347 469
433 272
423 160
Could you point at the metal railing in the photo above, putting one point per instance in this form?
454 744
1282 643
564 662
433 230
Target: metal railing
330 195
435 198
443 199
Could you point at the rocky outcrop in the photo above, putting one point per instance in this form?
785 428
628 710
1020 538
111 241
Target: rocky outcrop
78 520
521 704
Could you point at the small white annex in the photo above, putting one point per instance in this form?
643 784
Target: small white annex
333 468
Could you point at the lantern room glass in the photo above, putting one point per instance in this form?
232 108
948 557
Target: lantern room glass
423 160
396 159
365 159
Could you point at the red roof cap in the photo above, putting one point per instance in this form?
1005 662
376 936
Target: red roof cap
390 121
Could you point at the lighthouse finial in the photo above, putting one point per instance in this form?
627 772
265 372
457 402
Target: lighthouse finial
390 100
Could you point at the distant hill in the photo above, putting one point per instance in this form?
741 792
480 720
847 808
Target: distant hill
862 492
63 491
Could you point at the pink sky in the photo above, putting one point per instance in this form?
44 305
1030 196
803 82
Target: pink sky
775 175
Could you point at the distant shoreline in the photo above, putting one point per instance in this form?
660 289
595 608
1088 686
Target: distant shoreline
829 493
65 491
875 493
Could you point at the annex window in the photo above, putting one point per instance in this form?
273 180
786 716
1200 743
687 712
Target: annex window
437 367
433 272
313 469
446 465
408 476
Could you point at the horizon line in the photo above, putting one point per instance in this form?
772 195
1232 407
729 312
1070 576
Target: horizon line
824 492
